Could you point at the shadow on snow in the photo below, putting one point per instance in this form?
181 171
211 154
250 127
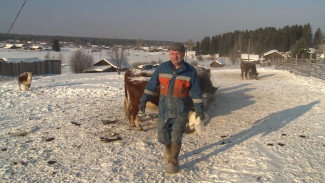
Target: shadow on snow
263 126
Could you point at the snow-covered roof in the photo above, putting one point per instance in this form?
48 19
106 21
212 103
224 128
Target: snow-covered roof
15 60
271 51
19 45
8 46
35 47
124 64
252 57
221 62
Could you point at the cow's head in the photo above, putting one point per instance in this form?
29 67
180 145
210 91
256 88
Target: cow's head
254 75
208 97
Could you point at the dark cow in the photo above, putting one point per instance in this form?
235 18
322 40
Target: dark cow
248 68
25 79
135 82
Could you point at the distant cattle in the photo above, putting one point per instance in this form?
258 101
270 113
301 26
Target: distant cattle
25 79
248 68
135 82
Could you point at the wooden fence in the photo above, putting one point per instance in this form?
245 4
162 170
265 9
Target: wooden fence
37 68
306 67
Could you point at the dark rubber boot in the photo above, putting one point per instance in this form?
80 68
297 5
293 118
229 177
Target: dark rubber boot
172 165
167 154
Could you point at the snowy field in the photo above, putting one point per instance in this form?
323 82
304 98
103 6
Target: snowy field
266 130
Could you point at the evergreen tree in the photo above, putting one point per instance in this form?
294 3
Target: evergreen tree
261 40
56 45
205 45
300 49
197 48
318 37
307 34
213 45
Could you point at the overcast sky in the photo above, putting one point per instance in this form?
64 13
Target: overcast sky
167 20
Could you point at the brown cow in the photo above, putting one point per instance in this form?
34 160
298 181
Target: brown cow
25 79
135 82
248 68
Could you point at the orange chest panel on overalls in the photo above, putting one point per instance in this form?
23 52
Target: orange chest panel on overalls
181 86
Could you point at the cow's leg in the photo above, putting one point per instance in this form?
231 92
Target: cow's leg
137 122
242 73
127 111
126 107
131 120
250 73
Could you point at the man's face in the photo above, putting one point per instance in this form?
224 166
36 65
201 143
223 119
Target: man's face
176 57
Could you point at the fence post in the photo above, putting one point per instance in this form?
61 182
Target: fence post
309 65
11 70
317 69
2 67
296 65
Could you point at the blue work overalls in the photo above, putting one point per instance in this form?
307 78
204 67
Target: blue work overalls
177 89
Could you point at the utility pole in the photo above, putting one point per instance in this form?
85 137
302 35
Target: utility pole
100 49
240 47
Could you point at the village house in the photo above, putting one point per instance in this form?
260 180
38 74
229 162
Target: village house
217 64
107 65
13 46
271 56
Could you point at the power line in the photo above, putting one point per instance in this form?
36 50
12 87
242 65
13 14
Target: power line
16 16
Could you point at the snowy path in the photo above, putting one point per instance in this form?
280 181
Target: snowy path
269 130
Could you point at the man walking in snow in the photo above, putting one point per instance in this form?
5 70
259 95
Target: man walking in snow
178 80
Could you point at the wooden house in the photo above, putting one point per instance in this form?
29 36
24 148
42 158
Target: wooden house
273 55
217 64
107 65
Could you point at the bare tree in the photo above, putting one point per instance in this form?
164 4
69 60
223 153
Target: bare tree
118 55
80 61
189 44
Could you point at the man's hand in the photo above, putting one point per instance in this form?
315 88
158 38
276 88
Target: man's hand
200 114
142 107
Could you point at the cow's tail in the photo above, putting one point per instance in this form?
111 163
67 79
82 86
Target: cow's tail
29 80
126 101
29 77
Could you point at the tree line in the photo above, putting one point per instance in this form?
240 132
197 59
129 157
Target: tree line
293 38
81 40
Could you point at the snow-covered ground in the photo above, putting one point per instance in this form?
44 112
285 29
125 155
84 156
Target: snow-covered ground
266 130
